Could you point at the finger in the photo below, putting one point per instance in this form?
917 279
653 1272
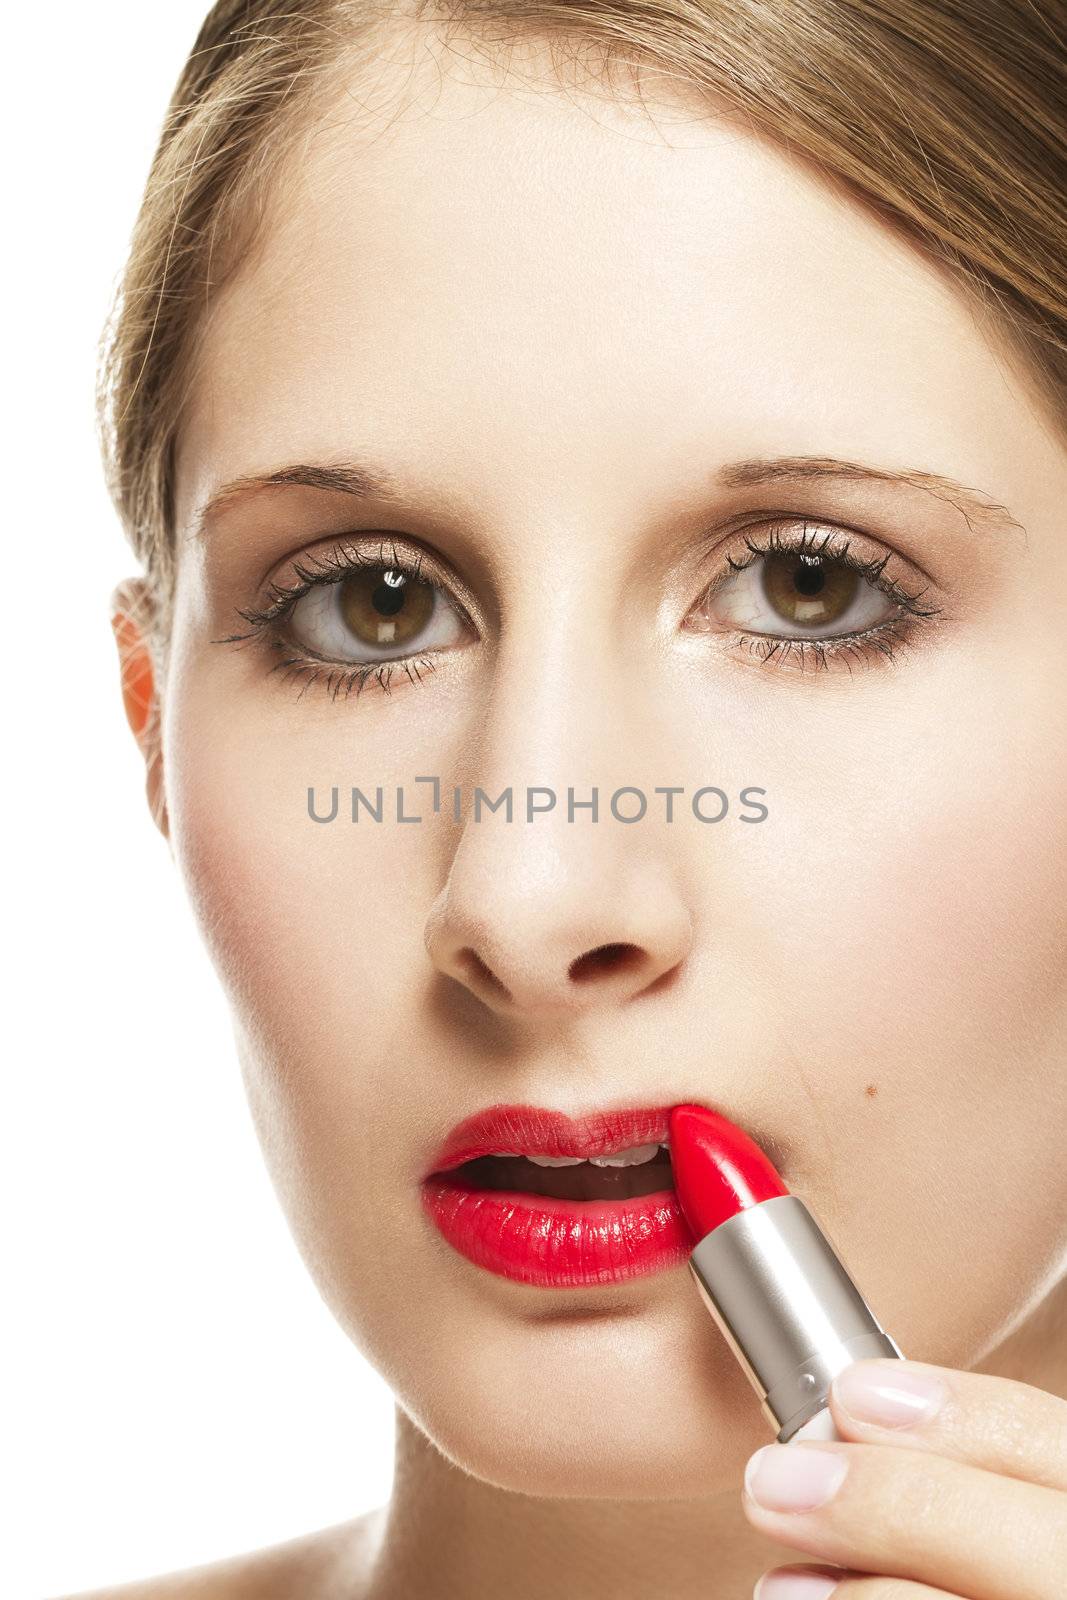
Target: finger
997 1423
820 1583
912 1515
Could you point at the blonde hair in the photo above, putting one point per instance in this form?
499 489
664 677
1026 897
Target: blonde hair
944 116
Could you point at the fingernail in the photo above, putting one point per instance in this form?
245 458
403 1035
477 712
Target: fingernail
785 1585
892 1396
794 1477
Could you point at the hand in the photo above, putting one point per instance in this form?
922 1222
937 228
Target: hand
953 1486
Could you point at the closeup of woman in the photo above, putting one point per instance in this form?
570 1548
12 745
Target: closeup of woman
598 473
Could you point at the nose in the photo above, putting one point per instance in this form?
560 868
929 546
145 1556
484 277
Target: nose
552 933
560 913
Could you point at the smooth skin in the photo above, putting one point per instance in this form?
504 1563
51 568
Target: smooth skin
557 317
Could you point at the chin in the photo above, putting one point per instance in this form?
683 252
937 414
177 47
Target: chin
610 1410
563 1462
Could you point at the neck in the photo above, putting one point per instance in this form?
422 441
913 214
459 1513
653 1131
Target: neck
1036 1351
448 1533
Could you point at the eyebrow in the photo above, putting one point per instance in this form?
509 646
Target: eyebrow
366 481
979 510
362 482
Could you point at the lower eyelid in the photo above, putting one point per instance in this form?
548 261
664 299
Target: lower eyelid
873 648
874 644
341 681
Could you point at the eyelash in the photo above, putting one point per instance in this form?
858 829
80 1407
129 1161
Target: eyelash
339 680
882 639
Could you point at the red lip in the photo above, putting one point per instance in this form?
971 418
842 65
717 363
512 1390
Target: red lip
549 1242
530 1131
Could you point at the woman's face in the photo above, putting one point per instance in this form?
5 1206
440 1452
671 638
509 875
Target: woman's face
597 356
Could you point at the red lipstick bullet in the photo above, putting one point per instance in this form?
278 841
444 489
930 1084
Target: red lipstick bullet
768 1274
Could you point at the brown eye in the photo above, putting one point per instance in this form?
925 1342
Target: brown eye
382 606
807 590
377 613
794 593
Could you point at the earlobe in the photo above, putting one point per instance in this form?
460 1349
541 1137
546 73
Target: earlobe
131 614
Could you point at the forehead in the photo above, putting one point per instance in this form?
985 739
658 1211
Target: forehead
514 278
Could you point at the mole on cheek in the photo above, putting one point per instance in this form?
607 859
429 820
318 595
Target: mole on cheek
871 1090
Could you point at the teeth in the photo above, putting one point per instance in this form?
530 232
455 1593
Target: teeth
634 1157
627 1158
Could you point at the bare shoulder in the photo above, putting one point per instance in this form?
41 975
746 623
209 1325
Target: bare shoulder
330 1564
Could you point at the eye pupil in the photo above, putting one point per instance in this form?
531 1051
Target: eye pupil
810 577
388 597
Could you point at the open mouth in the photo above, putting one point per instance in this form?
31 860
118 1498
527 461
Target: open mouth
556 1201
621 1175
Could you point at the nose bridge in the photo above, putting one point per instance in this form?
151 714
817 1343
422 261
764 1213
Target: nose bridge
553 901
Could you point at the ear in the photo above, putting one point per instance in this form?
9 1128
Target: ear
132 611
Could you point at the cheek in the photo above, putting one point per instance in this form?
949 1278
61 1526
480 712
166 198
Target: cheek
917 956
316 932
314 927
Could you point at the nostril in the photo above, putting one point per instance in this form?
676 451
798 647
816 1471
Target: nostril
605 958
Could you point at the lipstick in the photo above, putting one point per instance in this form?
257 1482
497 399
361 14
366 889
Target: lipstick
768 1274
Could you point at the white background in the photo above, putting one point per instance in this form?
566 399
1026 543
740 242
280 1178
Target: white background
173 1388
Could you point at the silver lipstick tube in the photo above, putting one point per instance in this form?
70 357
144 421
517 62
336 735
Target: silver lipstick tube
787 1307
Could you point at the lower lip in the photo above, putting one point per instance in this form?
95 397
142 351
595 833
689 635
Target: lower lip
558 1244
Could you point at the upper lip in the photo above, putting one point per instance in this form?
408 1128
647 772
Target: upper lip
531 1130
